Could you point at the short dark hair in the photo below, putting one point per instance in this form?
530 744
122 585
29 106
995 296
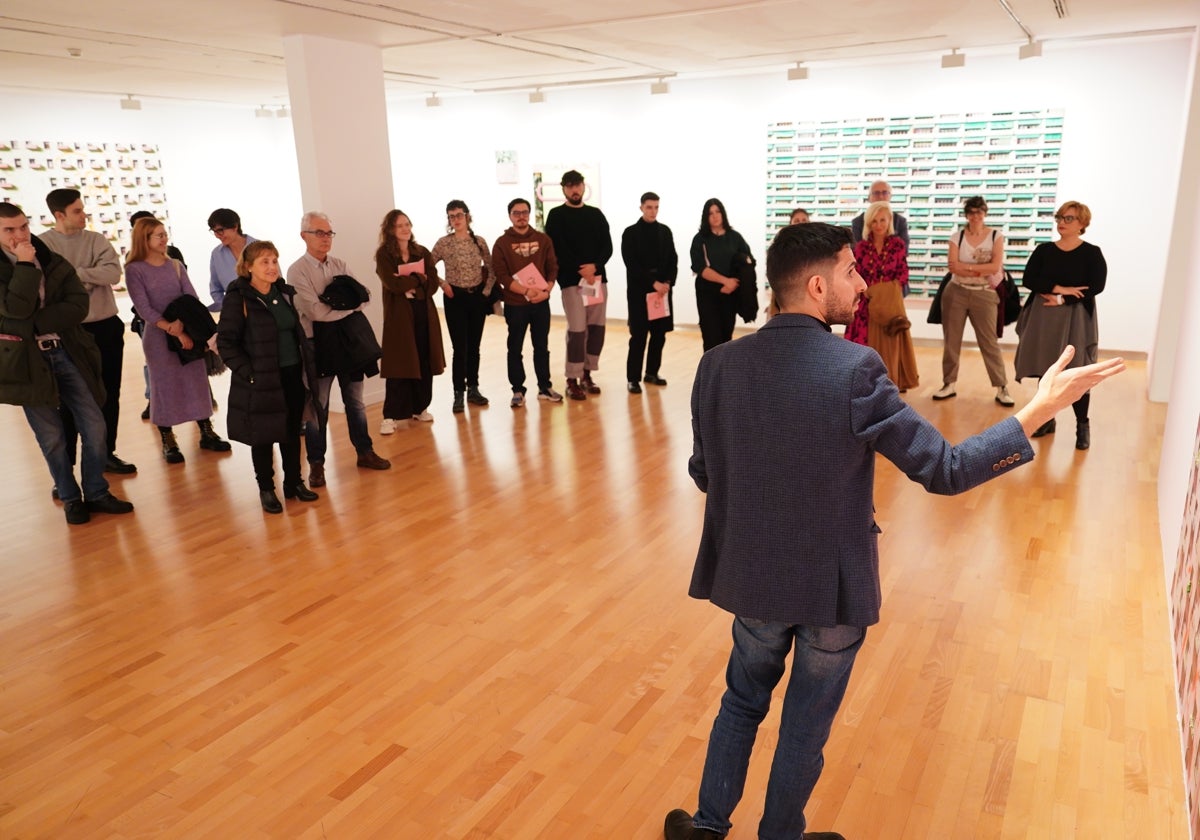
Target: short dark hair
225 218
649 196
705 228
141 214
59 200
800 251
517 201
8 210
975 202
570 177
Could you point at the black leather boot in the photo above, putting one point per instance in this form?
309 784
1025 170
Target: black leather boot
170 446
1083 434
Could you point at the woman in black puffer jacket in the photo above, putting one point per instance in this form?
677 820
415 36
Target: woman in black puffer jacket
260 339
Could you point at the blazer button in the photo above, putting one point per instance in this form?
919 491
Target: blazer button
995 468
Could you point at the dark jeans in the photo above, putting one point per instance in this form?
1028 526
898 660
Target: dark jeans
820 672
718 313
536 318
262 454
638 334
465 315
405 398
47 426
110 338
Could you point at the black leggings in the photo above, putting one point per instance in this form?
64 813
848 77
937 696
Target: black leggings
262 455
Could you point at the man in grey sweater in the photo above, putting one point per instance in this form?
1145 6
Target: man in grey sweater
99 269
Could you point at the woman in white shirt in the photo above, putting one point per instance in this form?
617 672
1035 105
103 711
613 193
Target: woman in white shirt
977 266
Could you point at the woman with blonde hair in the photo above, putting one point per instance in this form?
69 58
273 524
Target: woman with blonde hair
262 342
1064 277
881 321
178 391
412 334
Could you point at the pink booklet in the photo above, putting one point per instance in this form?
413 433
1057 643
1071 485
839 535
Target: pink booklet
531 278
417 267
657 306
592 293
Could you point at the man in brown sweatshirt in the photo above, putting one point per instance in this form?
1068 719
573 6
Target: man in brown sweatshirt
526 302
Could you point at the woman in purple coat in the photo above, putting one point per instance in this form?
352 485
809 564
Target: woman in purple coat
178 392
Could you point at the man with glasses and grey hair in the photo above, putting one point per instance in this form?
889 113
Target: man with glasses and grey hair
880 191
311 275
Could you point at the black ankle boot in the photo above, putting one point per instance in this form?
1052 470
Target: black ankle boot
209 439
299 492
270 502
1083 434
170 446
1046 428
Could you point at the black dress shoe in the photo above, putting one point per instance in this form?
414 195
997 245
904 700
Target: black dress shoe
108 503
270 502
113 464
633 387
1083 435
678 826
1046 428
299 492
654 380
77 512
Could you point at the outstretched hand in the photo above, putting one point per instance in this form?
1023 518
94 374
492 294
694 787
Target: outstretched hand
1060 386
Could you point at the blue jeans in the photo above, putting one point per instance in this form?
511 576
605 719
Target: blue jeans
47 426
315 439
820 671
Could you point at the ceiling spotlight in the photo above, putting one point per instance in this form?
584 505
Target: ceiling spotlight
953 59
74 52
432 101
659 87
263 111
536 96
283 112
798 73
131 104
1031 50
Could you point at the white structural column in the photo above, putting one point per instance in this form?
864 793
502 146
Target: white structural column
339 115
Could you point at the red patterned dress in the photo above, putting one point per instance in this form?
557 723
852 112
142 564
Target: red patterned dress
875 267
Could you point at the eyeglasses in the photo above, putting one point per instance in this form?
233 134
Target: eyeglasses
457 214
320 234
1067 219
217 231
519 213
161 236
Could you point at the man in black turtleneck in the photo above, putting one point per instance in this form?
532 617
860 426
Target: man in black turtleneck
651 264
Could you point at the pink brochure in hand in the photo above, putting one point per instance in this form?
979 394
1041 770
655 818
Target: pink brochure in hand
417 267
531 278
592 293
657 306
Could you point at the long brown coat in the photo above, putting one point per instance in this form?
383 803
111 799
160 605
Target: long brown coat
401 358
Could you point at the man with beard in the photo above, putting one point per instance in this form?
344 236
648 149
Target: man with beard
583 245
529 253
786 425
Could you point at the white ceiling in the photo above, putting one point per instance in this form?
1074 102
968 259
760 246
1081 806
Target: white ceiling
232 50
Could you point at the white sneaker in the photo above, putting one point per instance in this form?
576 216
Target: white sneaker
424 417
947 391
387 427
1003 397
550 395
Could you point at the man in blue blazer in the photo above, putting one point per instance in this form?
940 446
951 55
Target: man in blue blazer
786 424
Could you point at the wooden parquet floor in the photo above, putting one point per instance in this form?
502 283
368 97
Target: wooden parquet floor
493 639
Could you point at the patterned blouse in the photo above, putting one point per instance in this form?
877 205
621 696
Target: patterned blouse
875 267
463 259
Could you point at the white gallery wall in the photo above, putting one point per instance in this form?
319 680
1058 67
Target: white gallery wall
1124 106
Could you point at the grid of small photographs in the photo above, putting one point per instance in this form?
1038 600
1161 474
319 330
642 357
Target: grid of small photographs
1185 612
933 162
115 179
